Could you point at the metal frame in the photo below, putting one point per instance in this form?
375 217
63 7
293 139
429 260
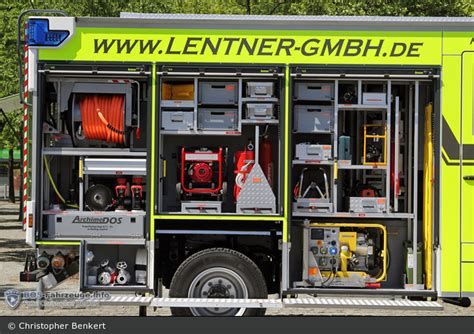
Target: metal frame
415 185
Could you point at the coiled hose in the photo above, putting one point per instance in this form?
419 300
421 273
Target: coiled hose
103 117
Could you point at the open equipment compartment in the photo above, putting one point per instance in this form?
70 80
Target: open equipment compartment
220 152
93 154
93 166
357 164
115 265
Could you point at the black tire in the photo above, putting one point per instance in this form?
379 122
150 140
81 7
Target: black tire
214 260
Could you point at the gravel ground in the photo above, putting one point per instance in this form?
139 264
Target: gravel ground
12 254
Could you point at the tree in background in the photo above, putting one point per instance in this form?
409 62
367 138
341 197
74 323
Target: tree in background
10 9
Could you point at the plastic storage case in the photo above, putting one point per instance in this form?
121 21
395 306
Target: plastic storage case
259 111
307 151
90 224
374 98
314 91
367 204
177 120
218 92
315 118
260 89
218 119
177 91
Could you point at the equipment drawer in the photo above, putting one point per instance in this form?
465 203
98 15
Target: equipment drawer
259 111
374 98
260 89
177 120
209 207
217 119
307 151
367 204
218 92
314 91
313 118
88 224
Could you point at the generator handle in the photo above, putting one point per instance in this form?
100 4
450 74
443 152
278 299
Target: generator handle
19 44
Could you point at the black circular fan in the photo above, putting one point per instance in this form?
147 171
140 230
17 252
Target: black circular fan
98 198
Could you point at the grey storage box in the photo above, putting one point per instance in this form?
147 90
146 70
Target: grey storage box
374 98
177 120
312 205
201 207
75 224
314 91
218 92
218 119
260 89
313 118
367 204
307 151
259 110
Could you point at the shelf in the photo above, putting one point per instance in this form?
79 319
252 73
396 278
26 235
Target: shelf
313 162
362 106
355 215
260 121
368 167
314 133
122 166
200 132
260 99
79 151
177 104
93 213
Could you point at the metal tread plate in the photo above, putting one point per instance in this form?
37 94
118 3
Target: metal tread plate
316 302
124 300
365 303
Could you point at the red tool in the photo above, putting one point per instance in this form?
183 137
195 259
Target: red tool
266 161
244 161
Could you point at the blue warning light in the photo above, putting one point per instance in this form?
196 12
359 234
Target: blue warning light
40 35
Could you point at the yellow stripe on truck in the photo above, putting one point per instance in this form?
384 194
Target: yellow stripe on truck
250 46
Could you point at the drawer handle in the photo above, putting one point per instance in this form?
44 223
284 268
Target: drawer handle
314 87
469 177
314 110
218 86
219 113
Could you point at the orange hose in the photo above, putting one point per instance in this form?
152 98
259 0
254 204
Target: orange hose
103 117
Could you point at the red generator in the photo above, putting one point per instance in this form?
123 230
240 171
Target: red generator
202 173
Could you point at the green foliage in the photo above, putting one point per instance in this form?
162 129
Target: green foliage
10 135
10 9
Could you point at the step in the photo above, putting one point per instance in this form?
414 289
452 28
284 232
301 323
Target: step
363 303
314 302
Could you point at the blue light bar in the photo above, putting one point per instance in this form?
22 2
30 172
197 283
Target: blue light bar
40 35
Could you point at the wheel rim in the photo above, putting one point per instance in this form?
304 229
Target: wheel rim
218 283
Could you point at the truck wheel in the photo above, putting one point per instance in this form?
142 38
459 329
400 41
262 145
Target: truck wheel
218 273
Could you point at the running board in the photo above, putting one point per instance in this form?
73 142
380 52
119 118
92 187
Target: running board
316 302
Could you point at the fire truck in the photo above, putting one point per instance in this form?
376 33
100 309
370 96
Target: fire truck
223 165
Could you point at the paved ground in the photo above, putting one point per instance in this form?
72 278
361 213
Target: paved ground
12 254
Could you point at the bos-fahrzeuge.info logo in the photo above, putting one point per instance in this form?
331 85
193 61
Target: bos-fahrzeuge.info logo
13 298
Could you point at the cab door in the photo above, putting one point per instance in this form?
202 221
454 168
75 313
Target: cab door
467 175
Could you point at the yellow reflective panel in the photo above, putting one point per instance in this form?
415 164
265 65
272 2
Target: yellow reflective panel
250 46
